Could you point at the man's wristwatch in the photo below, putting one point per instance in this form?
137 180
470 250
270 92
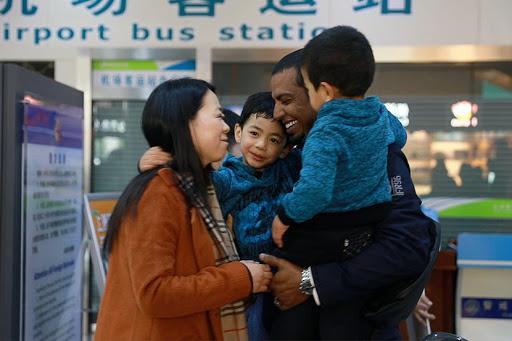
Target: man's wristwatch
306 285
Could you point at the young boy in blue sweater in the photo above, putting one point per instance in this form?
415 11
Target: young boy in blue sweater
250 187
345 153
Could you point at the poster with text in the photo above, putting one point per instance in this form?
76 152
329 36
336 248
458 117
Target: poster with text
52 224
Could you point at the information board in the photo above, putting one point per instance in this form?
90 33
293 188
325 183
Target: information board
52 221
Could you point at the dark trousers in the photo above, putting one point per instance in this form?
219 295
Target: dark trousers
331 237
297 323
307 321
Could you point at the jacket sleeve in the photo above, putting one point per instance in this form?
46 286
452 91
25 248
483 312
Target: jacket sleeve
400 250
397 130
222 180
323 150
154 235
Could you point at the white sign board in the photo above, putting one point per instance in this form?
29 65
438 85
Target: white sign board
110 78
248 23
53 166
484 293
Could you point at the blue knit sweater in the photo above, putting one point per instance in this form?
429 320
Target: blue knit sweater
252 199
344 159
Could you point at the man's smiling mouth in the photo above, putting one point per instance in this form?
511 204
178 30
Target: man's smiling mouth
290 124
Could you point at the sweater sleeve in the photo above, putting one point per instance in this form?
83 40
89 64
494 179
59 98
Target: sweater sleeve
222 180
399 134
323 150
154 235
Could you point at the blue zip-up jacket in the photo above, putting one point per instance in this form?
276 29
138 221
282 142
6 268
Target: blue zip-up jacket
252 199
344 160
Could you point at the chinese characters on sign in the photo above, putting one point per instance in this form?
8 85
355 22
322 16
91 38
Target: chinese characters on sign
491 308
144 75
26 8
207 7
291 7
386 6
97 8
131 80
196 7
123 23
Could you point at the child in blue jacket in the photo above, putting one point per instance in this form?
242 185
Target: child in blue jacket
250 188
345 153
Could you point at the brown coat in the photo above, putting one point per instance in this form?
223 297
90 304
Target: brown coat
162 282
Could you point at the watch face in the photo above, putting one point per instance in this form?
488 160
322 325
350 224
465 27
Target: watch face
308 290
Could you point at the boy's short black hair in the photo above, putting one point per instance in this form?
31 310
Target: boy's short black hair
261 104
231 118
343 57
292 60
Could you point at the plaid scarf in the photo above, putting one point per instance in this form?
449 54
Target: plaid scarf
234 324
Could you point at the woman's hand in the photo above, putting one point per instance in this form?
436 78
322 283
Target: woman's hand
260 274
152 158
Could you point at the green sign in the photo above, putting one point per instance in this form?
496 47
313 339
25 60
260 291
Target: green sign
124 65
485 208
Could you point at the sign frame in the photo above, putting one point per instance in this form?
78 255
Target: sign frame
14 84
99 263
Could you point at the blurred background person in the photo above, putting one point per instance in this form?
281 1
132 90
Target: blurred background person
472 182
442 183
500 166
232 118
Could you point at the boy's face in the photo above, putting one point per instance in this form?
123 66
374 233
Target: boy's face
262 141
317 97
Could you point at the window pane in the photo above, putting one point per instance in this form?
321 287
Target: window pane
118 144
459 122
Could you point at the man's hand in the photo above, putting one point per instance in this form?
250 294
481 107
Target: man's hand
278 231
152 158
285 283
421 311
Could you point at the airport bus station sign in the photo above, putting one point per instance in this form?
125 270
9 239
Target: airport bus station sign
236 23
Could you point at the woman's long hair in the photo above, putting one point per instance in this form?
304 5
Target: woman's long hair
165 123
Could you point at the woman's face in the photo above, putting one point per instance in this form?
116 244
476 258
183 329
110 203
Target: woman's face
209 131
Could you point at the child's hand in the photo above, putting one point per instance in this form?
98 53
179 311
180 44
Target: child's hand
278 230
260 274
152 158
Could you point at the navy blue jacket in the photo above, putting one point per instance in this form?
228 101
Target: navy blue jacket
400 250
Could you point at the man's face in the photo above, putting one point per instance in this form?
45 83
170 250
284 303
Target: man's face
292 105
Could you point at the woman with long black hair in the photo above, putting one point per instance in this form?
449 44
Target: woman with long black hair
174 272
